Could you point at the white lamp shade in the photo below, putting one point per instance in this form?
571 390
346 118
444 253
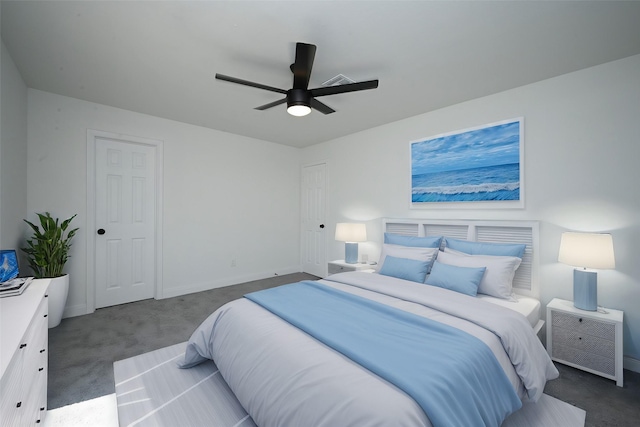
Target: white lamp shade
588 250
350 232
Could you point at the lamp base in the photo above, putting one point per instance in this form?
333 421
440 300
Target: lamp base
351 253
585 290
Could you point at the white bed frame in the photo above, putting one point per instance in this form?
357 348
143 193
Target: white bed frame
525 281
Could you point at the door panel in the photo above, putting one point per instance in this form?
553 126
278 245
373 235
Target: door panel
313 219
125 210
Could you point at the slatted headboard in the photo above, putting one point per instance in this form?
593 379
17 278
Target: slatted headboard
525 281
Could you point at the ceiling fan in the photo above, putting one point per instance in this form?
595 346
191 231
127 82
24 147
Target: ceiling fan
300 99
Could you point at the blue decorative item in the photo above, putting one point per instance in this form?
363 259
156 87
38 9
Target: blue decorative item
585 290
350 253
8 265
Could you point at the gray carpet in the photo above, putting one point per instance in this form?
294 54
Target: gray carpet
82 351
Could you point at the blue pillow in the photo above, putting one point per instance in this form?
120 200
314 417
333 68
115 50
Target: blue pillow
460 279
485 248
413 241
404 268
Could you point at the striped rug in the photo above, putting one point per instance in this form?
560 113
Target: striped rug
152 391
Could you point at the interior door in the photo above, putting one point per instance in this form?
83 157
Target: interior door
125 222
313 213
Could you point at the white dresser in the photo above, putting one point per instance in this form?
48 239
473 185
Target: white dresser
23 356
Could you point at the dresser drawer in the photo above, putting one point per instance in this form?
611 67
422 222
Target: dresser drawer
12 395
606 365
584 342
584 325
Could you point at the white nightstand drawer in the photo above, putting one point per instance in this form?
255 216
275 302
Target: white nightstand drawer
604 365
584 325
584 342
335 268
339 266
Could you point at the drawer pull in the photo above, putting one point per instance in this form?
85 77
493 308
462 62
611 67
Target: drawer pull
42 409
43 350
579 338
19 404
40 369
47 315
580 320
23 345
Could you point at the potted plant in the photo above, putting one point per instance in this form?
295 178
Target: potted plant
47 252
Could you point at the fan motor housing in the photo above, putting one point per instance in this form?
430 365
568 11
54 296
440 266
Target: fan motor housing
298 97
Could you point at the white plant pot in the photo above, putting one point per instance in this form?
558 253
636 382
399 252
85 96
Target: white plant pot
58 290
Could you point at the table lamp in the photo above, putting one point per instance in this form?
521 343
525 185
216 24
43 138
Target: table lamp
351 234
586 250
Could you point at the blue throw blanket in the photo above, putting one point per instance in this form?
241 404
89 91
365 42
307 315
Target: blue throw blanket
452 375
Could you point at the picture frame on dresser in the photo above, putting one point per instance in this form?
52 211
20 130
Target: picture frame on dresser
588 340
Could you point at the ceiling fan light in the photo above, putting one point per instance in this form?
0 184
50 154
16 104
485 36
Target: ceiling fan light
298 110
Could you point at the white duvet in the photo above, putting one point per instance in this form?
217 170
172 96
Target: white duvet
283 377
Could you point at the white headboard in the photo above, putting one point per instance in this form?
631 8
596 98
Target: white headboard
525 281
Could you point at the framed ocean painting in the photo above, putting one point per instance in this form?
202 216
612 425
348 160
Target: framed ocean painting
480 167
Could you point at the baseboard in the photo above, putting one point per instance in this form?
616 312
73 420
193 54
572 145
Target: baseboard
74 310
227 281
631 364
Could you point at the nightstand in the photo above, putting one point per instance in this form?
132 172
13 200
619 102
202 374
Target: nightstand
339 266
587 340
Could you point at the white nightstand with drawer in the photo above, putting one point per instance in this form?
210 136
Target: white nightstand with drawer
339 266
587 340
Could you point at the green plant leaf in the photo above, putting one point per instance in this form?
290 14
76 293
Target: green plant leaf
48 250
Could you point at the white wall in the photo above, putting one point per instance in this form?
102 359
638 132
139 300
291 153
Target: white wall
13 155
225 196
582 147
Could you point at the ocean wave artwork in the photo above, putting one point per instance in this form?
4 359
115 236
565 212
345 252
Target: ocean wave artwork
481 164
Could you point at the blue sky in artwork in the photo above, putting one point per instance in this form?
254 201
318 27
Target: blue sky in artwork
489 146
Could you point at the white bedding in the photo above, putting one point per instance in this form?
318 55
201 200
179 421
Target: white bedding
284 377
527 306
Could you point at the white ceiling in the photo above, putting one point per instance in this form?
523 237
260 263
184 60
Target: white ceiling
160 58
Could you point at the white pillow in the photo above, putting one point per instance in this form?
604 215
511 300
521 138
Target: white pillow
498 278
398 251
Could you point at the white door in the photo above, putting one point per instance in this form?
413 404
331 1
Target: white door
125 221
313 208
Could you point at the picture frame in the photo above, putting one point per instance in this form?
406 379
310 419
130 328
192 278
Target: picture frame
477 167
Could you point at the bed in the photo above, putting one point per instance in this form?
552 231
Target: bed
385 348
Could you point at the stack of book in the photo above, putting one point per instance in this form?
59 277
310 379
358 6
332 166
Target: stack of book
14 286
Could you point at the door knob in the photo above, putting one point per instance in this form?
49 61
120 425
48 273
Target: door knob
321 225
101 231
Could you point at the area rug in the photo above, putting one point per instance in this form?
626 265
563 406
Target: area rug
152 391
99 412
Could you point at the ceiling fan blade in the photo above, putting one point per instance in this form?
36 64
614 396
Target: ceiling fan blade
248 83
324 109
305 54
271 104
350 87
